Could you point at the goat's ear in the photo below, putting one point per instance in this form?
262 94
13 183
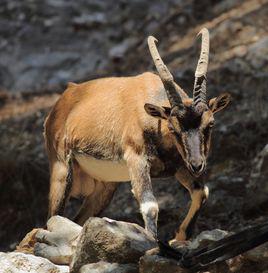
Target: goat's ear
220 102
157 111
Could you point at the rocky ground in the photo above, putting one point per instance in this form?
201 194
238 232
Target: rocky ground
45 44
104 245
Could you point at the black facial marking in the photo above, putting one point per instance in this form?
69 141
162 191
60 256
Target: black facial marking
189 119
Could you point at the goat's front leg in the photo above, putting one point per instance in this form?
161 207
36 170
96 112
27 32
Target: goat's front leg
199 195
139 171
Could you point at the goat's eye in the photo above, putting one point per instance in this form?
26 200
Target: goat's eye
211 124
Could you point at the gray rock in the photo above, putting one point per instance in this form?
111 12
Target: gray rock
58 242
15 262
104 267
158 264
90 20
205 237
259 166
257 187
152 262
103 239
258 255
258 54
119 51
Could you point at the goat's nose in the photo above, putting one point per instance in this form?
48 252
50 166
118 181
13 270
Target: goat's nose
197 166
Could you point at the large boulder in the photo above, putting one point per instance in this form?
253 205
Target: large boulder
103 239
15 262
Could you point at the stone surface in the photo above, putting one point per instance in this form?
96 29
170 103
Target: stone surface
113 241
109 246
15 262
207 236
254 260
158 264
257 187
104 267
58 42
258 255
28 242
259 167
58 242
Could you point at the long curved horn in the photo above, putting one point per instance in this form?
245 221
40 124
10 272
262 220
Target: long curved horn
171 88
200 88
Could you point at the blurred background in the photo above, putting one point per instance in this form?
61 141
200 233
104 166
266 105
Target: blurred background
46 43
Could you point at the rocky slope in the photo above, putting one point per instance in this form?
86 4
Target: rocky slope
104 245
45 44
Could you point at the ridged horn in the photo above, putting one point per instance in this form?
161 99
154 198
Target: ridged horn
171 88
200 84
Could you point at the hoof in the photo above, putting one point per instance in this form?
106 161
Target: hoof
174 243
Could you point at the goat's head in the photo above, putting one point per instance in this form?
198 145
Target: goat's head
190 120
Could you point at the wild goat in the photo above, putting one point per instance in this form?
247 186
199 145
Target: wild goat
131 128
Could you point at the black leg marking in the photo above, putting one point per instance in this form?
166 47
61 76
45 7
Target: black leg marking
68 186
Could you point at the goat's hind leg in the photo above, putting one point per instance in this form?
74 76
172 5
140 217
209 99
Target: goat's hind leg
96 202
61 179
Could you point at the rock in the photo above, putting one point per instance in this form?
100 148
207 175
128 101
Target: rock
28 242
158 264
257 188
259 166
258 54
104 267
119 51
152 262
255 260
207 236
90 20
203 239
258 255
15 262
59 241
103 239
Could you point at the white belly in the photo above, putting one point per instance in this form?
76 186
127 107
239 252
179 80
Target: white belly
104 170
